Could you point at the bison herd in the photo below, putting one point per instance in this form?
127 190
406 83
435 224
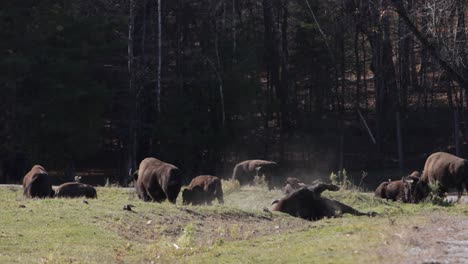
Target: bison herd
37 183
157 181
442 170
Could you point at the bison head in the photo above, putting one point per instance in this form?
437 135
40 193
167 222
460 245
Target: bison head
193 196
421 191
174 183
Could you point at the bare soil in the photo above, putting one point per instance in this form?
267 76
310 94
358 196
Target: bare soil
442 239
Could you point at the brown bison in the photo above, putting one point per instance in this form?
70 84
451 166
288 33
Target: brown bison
203 190
308 204
37 183
75 189
245 171
448 170
157 181
408 190
292 184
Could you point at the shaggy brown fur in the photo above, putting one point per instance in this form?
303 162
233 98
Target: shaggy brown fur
157 181
245 171
203 190
448 170
408 190
307 203
396 190
37 183
75 189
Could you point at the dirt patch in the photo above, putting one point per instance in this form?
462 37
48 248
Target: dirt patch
207 227
443 239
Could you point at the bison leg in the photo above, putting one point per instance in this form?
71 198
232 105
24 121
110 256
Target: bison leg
145 195
317 189
345 209
220 199
460 190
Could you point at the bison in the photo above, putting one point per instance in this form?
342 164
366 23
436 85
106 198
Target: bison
448 170
37 183
75 189
292 184
408 190
308 204
245 171
203 190
157 181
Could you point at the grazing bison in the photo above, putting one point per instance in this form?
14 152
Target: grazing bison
157 181
292 184
203 190
75 189
245 171
408 190
37 183
448 170
307 203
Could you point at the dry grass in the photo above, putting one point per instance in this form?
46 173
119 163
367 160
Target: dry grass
68 230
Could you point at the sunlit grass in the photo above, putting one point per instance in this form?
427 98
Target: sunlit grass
241 230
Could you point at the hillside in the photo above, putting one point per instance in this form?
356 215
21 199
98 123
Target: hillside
72 231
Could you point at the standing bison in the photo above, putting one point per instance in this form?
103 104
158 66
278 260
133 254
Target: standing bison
245 171
448 170
157 181
203 190
75 189
37 183
308 204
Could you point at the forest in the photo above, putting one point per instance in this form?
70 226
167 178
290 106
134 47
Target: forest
318 86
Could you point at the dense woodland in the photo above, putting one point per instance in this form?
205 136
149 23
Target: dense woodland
314 85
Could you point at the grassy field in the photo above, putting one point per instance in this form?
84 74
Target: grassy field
240 231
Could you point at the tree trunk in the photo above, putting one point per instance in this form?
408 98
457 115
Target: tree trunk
399 140
364 59
456 130
234 33
131 148
358 68
382 65
403 64
159 57
220 79
462 58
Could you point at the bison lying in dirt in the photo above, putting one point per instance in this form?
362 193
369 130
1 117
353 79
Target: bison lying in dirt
157 181
75 189
203 190
448 171
307 203
245 171
409 189
37 183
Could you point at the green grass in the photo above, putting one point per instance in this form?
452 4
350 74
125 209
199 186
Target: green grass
240 231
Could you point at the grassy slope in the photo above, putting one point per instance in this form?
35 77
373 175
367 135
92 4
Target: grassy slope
64 230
